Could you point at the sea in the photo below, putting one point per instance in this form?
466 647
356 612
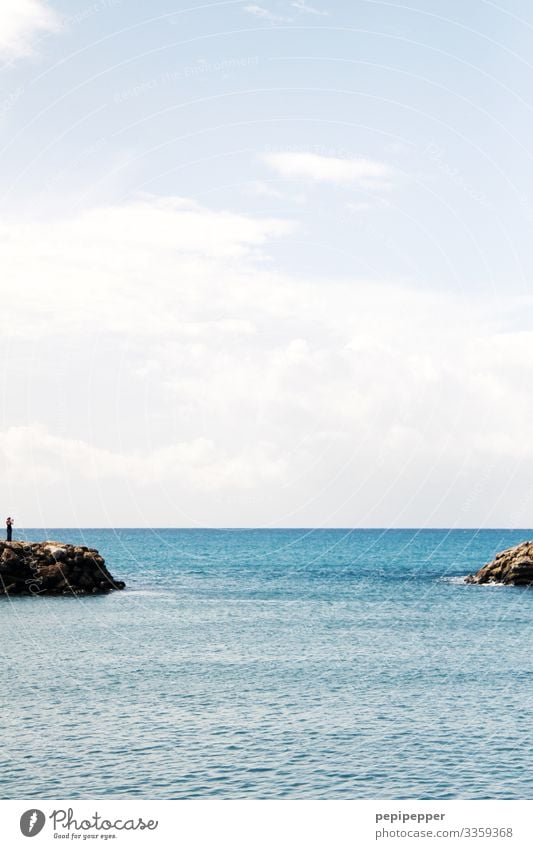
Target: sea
272 664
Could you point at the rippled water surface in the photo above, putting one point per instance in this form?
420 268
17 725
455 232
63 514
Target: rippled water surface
269 664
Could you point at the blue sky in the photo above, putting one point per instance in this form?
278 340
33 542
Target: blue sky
266 263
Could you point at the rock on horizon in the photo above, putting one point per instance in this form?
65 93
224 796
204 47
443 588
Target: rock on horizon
513 566
53 568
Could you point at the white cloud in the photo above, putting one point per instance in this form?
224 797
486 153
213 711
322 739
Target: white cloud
21 23
31 454
153 346
261 188
265 14
330 169
302 6
100 266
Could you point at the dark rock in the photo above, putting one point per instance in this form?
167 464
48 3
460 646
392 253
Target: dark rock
513 566
53 568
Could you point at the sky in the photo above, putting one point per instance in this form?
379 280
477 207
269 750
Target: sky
266 264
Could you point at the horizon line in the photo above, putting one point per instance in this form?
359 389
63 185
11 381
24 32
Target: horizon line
271 528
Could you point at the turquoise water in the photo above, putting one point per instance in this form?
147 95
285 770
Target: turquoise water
272 664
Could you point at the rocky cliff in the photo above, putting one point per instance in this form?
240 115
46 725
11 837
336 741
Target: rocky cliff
512 566
53 568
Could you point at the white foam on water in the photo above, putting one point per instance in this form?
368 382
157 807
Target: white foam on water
458 579
152 593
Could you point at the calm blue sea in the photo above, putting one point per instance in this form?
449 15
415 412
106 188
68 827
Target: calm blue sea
330 664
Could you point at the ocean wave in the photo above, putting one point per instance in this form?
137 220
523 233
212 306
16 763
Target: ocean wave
458 579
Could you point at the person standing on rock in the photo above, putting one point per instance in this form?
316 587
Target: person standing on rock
9 526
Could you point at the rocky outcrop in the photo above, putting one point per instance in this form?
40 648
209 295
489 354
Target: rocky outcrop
512 566
53 568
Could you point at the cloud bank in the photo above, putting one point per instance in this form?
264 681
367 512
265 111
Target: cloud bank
161 356
328 169
22 22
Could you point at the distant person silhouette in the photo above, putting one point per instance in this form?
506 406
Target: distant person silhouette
9 526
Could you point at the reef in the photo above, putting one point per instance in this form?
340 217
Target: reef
53 568
513 566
